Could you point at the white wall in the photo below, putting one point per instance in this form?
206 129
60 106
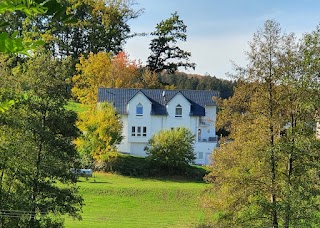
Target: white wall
138 149
139 121
173 121
124 146
206 148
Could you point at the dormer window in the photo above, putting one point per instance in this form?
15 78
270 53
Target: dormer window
139 110
178 111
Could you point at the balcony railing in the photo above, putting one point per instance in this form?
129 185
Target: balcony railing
209 139
204 122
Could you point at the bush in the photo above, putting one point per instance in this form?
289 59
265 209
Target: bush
128 165
172 149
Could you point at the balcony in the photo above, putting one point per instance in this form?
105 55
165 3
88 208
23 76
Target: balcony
203 121
212 139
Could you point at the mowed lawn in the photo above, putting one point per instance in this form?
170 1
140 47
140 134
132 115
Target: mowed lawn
117 201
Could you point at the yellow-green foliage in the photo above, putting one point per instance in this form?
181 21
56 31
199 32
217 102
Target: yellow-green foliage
172 148
266 174
77 107
101 131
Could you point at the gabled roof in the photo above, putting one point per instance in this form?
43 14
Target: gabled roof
168 101
139 91
159 98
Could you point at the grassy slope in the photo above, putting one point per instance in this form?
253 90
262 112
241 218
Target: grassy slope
77 107
118 201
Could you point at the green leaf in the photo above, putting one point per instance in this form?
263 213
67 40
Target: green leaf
6 105
16 45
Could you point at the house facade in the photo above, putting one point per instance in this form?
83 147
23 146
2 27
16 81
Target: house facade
145 112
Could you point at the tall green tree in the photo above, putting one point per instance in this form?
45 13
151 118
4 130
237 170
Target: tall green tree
12 36
70 27
267 174
36 181
165 53
100 26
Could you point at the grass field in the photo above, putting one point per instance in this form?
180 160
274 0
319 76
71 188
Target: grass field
118 201
77 107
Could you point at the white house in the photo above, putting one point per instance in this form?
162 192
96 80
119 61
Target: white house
145 112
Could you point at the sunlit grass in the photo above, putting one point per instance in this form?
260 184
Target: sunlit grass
77 107
118 201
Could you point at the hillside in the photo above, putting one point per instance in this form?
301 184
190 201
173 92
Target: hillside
118 201
198 82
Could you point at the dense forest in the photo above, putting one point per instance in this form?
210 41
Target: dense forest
182 80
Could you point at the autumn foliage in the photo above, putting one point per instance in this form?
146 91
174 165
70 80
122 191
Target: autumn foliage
101 132
104 70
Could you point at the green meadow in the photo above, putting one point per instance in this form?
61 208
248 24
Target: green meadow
118 201
77 107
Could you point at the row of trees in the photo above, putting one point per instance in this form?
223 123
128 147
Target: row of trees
268 175
37 133
82 27
198 82
36 150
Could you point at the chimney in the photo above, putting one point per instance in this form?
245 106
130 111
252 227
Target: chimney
164 96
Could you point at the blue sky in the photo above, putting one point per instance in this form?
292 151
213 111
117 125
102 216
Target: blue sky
219 31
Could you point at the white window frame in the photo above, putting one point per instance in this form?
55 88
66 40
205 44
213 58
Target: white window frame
139 110
139 131
178 111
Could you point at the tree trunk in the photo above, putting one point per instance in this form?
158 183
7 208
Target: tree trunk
289 173
274 214
35 188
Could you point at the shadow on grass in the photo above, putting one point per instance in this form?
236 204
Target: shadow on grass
145 169
92 181
173 178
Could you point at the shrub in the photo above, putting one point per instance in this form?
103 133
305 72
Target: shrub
134 166
172 149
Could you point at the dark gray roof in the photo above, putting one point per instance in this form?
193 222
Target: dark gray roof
120 98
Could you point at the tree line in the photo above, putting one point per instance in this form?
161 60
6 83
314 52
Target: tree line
180 80
47 48
266 173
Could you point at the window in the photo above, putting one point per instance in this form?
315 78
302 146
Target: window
139 131
200 155
178 111
139 110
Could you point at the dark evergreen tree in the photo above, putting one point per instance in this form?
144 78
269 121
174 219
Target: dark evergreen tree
165 54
